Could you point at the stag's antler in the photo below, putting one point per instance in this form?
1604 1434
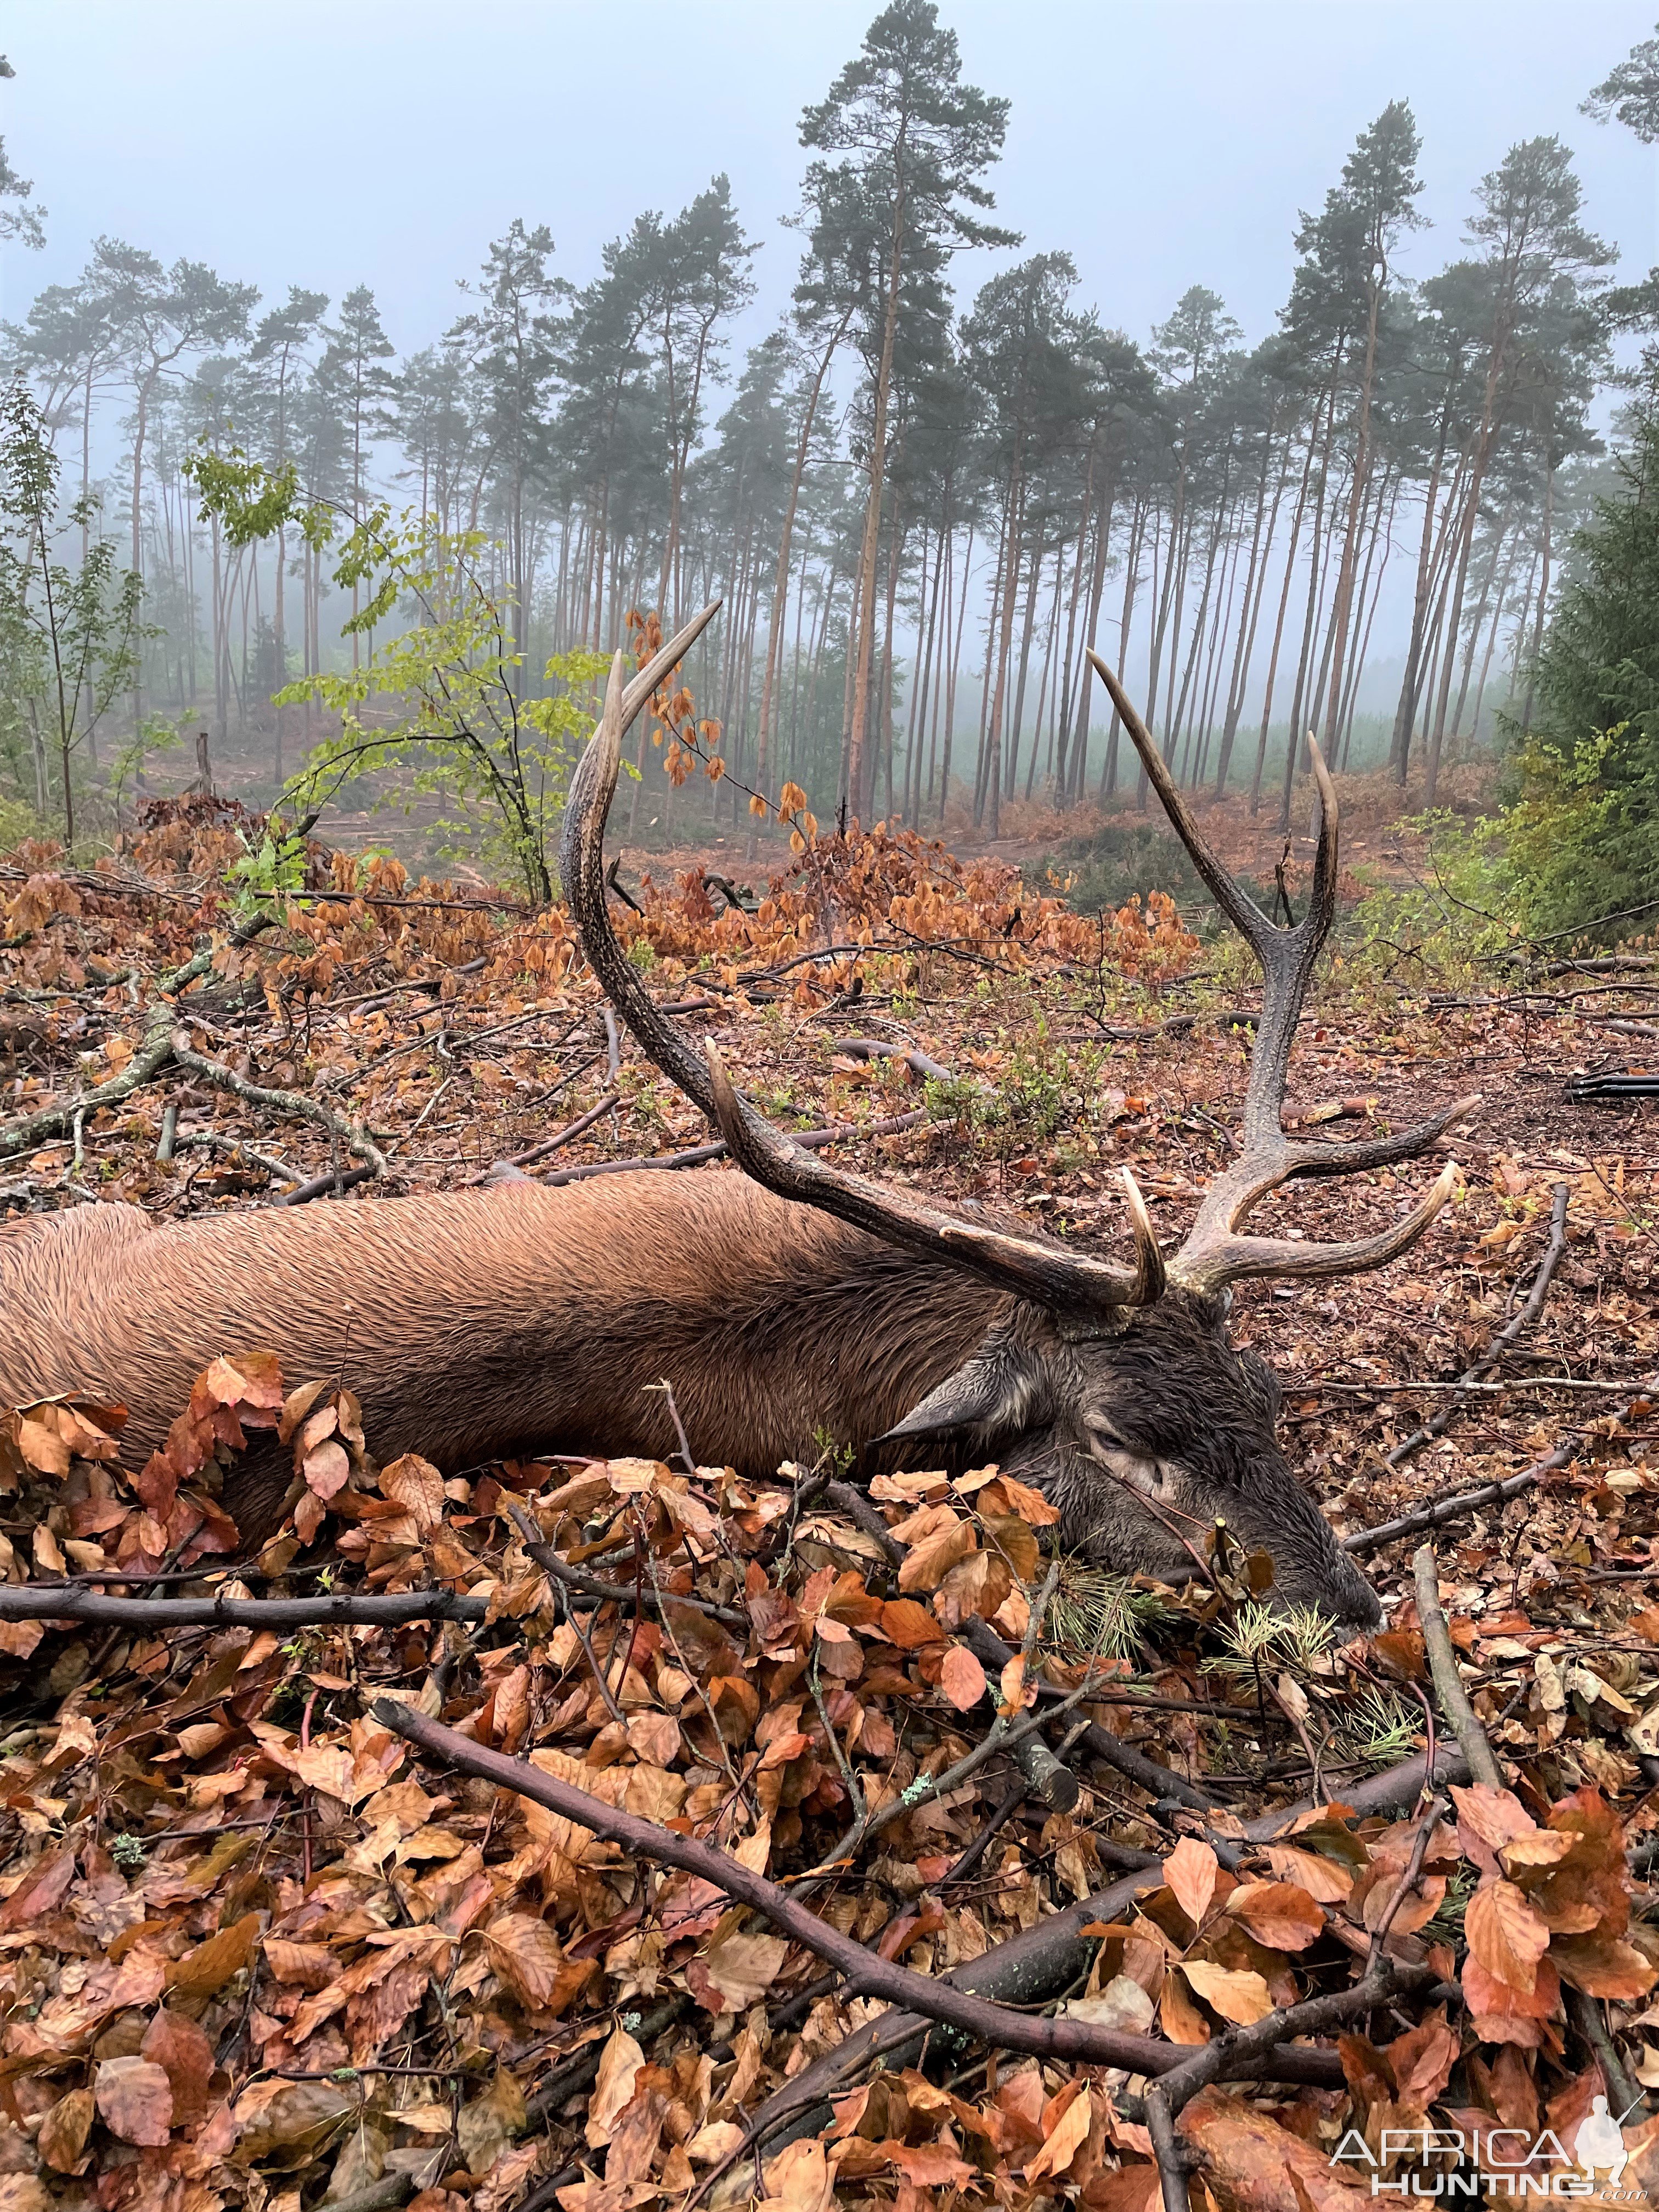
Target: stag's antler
1051 1277
1215 1254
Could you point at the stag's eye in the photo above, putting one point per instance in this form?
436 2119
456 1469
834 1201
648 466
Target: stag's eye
1136 1468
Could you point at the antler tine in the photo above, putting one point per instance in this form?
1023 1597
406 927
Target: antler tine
1231 1257
1150 1273
1052 1276
1215 1254
1287 956
581 865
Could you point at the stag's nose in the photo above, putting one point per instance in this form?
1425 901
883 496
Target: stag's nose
1358 1608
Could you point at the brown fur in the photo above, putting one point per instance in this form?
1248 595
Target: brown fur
478 1325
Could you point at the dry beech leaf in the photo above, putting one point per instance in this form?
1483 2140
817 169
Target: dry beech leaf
1190 1871
1506 1935
963 1678
1323 1878
203 1971
1182 2020
1278 1914
173 2042
1250 2164
744 1967
1030 1504
800 2179
135 2100
526 1953
65 2130
926 1564
613 2088
416 1484
909 1624
1070 2132
1236 1993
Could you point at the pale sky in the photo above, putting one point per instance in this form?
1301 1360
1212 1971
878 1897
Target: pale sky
1161 142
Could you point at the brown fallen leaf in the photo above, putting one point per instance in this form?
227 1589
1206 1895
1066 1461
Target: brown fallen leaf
1250 2164
135 2100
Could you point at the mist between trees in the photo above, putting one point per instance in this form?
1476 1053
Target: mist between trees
918 507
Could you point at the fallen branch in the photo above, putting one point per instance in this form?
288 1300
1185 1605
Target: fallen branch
578 1578
1587 2018
1037 1964
34 1129
1159 1782
1448 1682
1489 1493
201 962
1234 2055
866 1973
846 1497
872 1048
291 1103
336 1180
58 1603
583 1122
209 1140
1506 1337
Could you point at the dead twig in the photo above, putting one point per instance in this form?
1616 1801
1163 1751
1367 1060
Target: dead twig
1158 1782
582 1123
64 1603
1046 1958
33 1130
578 1578
1448 1682
320 1186
291 1103
1076 2041
1489 1493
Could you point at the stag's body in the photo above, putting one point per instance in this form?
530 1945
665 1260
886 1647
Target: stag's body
482 1325
479 1325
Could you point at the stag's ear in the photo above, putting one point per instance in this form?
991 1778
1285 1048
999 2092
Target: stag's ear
1000 1387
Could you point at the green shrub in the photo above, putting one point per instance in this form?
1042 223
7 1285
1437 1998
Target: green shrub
1582 828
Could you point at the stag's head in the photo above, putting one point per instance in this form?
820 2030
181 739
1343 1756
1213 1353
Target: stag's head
1115 1389
1146 1434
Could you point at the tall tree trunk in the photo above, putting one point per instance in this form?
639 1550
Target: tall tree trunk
1293 735
955 670
1283 605
858 772
1130 579
1255 586
1027 630
781 584
1543 590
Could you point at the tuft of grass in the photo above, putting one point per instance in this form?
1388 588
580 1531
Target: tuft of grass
1379 1727
1095 1611
1297 1637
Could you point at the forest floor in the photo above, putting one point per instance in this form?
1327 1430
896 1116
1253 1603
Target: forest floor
273 1931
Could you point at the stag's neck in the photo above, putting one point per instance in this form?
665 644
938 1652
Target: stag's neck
776 1325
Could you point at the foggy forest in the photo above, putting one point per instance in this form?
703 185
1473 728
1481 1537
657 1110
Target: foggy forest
828 1210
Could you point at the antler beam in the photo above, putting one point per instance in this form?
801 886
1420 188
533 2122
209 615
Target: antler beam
1044 1273
1215 1254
